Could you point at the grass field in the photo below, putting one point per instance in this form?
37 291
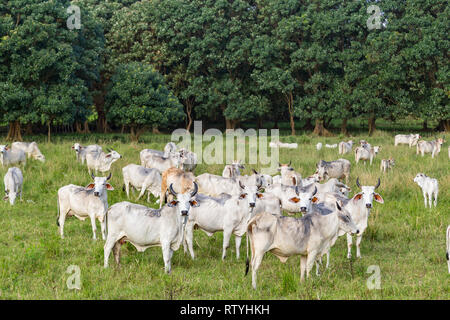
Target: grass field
404 239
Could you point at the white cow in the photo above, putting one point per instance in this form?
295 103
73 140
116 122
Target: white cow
84 202
279 144
213 185
143 179
309 237
319 145
362 153
433 147
448 248
409 139
345 147
387 164
81 151
161 163
13 181
331 146
188 160
229 214
233 169
102 161
288 175
30 148
430 188
145 227
10 157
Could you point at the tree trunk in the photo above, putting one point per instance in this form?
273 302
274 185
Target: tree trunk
275 125
189 114
86 127
155 130
444 125
29 129
48 131
344 127
78 127
290 101
229 124
308 124
320 130
14 133
259 123
372 120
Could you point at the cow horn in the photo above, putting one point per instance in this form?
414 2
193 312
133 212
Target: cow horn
259 184
193 193
254 171
241 185
357 182
171 190
279 164
378 183
315 191
289 163
296 190
92 175
109 176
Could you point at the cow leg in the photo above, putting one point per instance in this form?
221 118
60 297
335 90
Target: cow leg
94 227
189 239
430 200
226 242
238 245
116 252
435 198
103 228
358 242
425 198
143 189
167 255
302 267
63 211
127 189
256 262
349 246
310 262
109 245
328 259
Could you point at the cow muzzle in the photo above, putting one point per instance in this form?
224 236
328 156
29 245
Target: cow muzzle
252 205
184 212
96 193
303 209
368 205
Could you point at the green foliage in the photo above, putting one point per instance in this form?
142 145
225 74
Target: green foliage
138 97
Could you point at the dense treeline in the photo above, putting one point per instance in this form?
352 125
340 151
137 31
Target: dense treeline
141 65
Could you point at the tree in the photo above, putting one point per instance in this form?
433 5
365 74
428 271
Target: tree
139 98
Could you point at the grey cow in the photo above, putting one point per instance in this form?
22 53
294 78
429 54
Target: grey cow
333 169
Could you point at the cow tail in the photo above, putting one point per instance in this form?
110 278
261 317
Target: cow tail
57 207
247 262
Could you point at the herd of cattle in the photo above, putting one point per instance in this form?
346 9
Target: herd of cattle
234 204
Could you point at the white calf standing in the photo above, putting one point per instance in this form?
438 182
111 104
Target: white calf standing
429 188
13 184
387 164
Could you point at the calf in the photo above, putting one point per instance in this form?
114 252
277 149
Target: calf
142 179
101 161
345 147
84 202
429 187
10 157
145 227
13 181
333 169
30 148
81 151
233 169
433 147
188 160
229 214
308 237
409 139
387 164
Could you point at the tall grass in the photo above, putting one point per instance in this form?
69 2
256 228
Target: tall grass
404 239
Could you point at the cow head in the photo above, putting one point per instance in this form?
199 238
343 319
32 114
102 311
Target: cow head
251 193
376 149
304 198
3 148
77 147
283 167
321 172
40 157
346 223
368 194
100 185
11 196
112 155
419 178
184 201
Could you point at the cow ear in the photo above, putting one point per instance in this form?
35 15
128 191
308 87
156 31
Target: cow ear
108 155
194 203
90 186
294 199
172 203
5 197
242 196
294 181
378 198
109 187
357 197
315 199
261 190
259 195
